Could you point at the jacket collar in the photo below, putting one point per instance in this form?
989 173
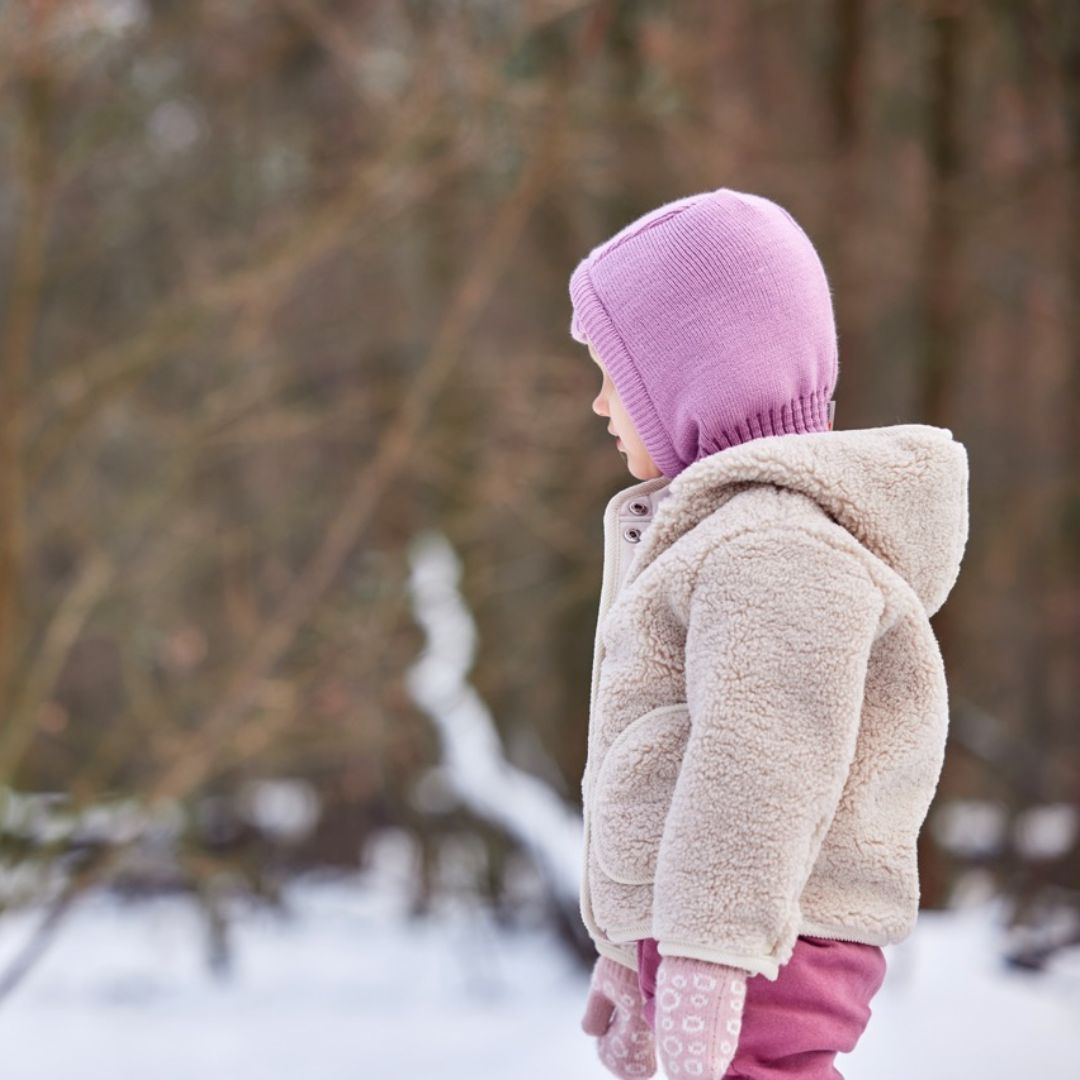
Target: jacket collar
901 491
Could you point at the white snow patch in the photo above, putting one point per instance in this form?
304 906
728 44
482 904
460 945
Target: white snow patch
349 987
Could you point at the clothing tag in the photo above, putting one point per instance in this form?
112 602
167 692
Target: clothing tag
832 410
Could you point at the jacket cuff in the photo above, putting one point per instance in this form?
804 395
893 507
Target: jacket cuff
755 965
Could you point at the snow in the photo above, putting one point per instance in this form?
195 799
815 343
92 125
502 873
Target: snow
1047 831
348 986
473 765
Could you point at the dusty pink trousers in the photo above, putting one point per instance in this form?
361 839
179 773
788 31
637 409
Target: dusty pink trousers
818 1006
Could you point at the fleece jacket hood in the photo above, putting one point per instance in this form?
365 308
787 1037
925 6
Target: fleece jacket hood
901 491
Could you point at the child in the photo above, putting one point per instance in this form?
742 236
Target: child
769 707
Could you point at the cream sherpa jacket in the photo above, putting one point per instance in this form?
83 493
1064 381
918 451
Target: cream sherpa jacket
769 705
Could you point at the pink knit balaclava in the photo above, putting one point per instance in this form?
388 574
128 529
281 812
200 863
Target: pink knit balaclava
713 316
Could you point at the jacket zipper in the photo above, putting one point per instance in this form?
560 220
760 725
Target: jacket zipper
612 555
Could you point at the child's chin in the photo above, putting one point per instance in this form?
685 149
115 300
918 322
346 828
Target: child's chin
640 470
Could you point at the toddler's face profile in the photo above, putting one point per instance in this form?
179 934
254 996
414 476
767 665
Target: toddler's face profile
607 403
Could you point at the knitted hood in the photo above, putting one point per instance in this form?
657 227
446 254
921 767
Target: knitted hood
901 491
714 317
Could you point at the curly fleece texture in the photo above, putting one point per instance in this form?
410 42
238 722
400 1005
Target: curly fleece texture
769 705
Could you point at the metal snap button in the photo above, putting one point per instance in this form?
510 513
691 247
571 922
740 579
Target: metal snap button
639 507
632 533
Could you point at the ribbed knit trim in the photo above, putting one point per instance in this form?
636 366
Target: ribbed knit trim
799 416
593 319
762 964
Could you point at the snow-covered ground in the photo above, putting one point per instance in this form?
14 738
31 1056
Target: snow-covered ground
349 988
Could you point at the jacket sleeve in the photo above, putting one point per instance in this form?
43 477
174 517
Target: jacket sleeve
780 626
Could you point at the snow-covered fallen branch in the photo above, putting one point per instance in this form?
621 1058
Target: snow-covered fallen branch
474 763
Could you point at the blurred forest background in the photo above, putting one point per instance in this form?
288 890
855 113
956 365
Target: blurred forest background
283 287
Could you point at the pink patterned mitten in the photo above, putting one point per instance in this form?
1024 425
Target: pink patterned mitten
699 1009
625 1042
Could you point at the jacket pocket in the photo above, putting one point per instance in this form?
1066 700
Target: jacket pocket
633 792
